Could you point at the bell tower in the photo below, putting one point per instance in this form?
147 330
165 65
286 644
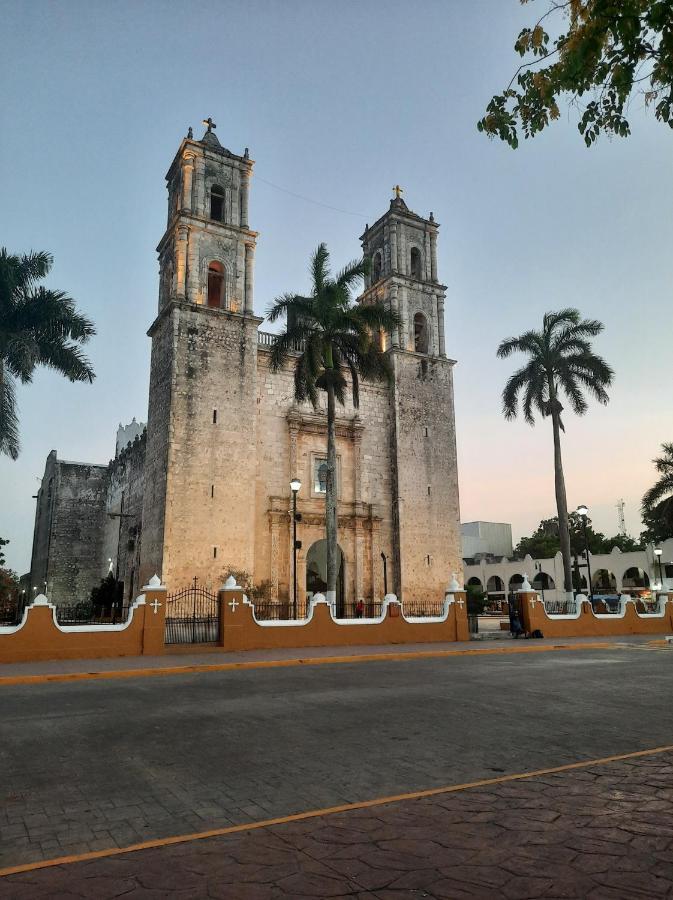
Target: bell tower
198 505
402 248
206 256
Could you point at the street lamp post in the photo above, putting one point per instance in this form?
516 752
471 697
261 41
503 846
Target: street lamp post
295 485
657 552
584 513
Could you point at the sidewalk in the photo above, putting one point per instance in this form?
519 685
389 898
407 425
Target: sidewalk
213 658
601 830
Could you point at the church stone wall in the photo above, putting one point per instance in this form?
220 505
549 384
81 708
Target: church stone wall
201 447
427 475
75 536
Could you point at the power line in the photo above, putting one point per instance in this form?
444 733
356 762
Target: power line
310 200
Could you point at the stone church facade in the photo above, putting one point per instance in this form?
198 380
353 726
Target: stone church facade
225 436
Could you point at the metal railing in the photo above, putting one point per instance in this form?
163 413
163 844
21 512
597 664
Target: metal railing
273 612
91 614
418 609
560 607
366 610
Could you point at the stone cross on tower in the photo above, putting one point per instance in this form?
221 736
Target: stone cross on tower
209 122
398 190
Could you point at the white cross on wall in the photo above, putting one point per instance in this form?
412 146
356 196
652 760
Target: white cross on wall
461 603
233 604
155 606
533 601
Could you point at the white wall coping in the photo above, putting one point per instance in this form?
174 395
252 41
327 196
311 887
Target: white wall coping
41 600
320 600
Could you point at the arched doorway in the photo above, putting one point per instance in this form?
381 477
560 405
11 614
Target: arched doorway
316 573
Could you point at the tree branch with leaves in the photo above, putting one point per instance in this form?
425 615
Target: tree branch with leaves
603 54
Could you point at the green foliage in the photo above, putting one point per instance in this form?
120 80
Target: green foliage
3 543
545 540
477 600
604 53
9 584
560 361
107 593
38 327
258 593
658 524
331 334
657 504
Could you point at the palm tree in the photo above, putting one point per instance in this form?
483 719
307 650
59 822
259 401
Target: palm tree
38 327
561 362
657 503
332 336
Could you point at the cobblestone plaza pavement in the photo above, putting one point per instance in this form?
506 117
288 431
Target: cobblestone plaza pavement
90 766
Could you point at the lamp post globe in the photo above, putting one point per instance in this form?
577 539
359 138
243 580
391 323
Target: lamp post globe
295 485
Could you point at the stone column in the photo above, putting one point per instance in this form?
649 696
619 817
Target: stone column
393 247
187 176
249 277
245 194
427 254
376 561
398 241
433 255
275 547
183 237
394 302
200 175
440 325
357 461
359 559
402 310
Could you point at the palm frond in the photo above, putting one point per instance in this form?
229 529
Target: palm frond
9 421
320 268
295 303
551 320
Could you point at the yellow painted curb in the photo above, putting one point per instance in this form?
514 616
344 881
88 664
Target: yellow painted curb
386 656
330 810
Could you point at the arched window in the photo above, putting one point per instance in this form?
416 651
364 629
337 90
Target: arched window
216 285
217 203
420 333
376 268
415 267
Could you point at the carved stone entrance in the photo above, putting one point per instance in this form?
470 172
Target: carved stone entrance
316 572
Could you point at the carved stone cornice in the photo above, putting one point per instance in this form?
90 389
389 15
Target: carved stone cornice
316 423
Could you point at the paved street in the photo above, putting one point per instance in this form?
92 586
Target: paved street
602 833
98 764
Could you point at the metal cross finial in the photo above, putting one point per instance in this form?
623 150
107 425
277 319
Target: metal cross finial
398 190
209 122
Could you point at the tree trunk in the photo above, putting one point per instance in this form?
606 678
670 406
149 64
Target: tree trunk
331 499
562 504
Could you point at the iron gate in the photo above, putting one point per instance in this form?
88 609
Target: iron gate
192 616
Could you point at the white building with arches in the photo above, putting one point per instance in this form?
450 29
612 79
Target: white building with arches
634 572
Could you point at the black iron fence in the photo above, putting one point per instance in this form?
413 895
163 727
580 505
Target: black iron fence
422 608
273 612
192 616
560 607
87 613
366 609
